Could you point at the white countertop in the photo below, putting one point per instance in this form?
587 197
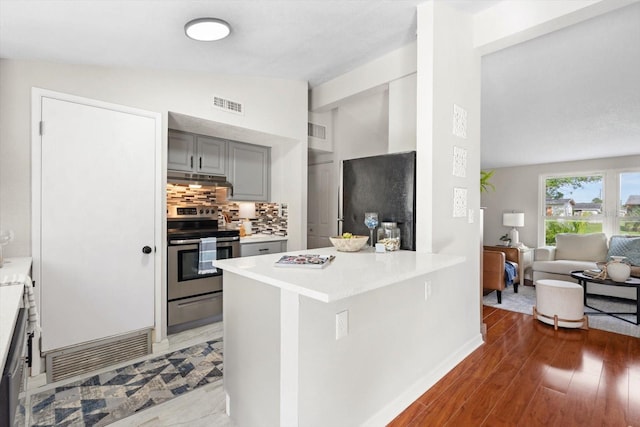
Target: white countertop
12 266
260 238
349 274
10 302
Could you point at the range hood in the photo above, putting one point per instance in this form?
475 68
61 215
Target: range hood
187 178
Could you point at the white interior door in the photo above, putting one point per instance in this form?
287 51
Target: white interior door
97 213
319 218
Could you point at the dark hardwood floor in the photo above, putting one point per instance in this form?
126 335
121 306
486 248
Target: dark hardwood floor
527 374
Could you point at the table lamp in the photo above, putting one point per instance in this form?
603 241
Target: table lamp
513 219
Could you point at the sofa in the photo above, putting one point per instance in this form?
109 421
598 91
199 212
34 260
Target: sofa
582 252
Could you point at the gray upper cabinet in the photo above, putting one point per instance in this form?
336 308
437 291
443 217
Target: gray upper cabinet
212 155
196 153
181 151
247 166
249 171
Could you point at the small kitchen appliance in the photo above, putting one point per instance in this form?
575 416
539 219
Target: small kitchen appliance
195 299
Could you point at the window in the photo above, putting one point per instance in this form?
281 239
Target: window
573 204
606 202
628 217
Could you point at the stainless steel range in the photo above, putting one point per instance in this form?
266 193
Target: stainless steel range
193 298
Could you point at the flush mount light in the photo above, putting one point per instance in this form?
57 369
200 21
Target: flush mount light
207 29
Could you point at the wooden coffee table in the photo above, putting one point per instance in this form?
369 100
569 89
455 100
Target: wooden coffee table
631 282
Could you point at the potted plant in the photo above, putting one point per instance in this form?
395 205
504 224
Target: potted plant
506 239
485 185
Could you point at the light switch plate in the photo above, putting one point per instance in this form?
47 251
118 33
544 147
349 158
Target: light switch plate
427 289
342 324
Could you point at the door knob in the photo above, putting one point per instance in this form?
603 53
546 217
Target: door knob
146 250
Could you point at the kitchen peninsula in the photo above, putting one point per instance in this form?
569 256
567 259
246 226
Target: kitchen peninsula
349 344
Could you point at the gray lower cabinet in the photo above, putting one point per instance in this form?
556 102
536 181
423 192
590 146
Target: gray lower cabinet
196 153
250 249
249 171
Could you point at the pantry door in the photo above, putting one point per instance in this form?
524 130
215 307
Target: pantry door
320 191
98 203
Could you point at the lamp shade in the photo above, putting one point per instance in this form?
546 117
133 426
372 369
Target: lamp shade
247 210
514 219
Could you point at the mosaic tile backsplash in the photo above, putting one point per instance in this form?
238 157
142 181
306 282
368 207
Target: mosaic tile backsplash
271 218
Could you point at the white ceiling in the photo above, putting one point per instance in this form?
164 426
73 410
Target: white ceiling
570 95
313 40
552 98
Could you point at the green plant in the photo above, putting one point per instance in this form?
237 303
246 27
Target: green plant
485 185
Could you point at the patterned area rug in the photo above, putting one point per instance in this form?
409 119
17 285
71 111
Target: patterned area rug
102 399
525 299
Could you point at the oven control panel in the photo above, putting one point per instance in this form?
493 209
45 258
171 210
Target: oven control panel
186 211
192 212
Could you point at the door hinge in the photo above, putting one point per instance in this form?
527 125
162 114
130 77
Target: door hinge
41 128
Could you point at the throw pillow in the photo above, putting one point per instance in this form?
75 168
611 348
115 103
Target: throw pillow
581 247
625 246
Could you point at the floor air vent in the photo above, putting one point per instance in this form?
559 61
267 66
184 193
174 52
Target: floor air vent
228 105
91 357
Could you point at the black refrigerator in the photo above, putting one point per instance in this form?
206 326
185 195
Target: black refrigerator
384 184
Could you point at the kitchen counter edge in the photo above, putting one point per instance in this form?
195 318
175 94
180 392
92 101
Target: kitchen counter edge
348 275
262 238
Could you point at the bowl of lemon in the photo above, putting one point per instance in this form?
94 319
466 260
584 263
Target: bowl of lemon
349 242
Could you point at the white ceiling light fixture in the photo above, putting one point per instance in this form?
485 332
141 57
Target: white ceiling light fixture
207 29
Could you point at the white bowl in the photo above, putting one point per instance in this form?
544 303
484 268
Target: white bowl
353 244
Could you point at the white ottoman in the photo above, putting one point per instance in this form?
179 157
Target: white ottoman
560 303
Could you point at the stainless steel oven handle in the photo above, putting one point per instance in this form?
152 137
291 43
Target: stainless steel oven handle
196 241
184 242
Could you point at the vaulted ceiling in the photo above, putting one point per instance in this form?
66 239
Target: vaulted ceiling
573 94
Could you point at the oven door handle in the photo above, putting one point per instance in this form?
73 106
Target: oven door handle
184 242
197 241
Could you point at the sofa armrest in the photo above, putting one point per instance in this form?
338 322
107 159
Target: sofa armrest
544 253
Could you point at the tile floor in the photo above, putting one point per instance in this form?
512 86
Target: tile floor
204 406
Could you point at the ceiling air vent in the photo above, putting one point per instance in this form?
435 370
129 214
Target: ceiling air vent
316 131
228 105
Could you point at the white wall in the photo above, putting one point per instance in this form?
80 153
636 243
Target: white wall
397 346
361 127
448 74
369 77
188 93
402 114
527 19
517 189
